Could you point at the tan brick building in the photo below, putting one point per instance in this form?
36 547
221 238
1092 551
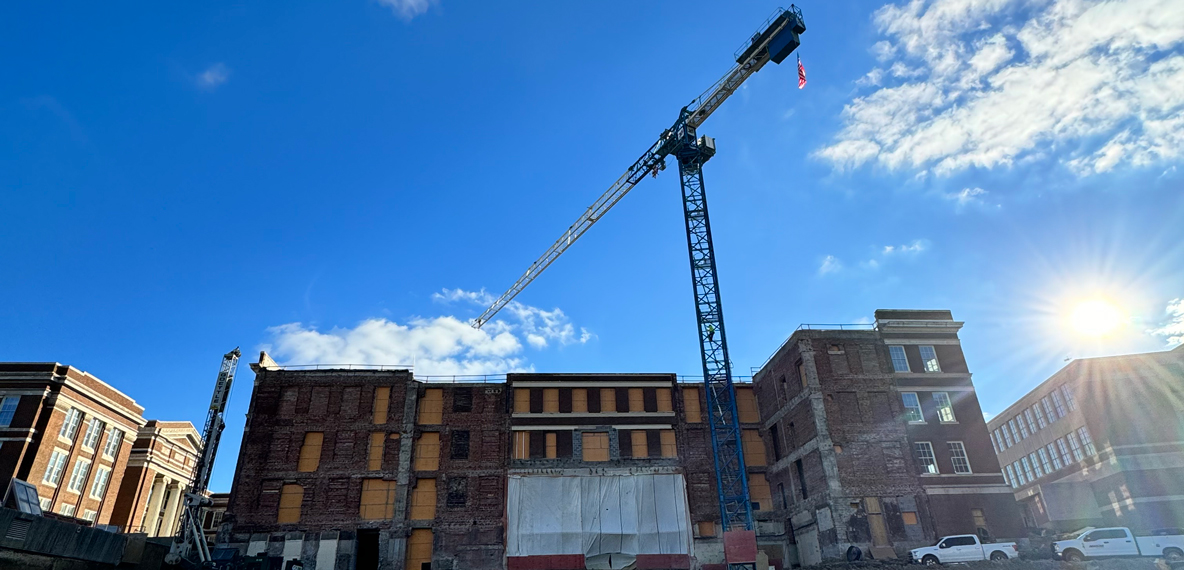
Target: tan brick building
161 465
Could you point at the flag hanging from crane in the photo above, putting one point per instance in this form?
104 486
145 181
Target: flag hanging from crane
801 74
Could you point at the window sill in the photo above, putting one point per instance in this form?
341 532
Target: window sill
953 423
920 423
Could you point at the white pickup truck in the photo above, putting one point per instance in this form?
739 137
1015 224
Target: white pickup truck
1118 541
963 548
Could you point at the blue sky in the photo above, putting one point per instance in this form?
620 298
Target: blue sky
339 182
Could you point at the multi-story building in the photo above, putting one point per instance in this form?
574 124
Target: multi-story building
159 468
212 520
1100 443
68 433
878 440
373 469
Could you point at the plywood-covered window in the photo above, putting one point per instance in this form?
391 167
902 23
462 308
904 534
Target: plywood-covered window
521 400
419 549
378 500
431 407
377 445
669 446
310 452
759 492
382 403
640 444
664 403
579 400
754 448
706 528
636 400
291 497
690 404
608 400
551 400
746 406
427 452
595 446
423 500
521 445
552 441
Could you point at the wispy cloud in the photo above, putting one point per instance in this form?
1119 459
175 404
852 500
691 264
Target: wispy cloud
442 345
830 264
213 76
408 9
985 83
1173 328
914 247
969 198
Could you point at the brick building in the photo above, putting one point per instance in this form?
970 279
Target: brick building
1100 443
159 468
877 439
68 433
373 469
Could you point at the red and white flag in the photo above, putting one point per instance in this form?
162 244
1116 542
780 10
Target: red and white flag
801 74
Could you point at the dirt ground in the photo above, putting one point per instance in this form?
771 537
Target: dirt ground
1018 564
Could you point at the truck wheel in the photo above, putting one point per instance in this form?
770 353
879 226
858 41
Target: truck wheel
1173 554
1073 556
998 556
930 560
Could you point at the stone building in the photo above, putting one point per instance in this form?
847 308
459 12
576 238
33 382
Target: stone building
160 467
877 439
1100 443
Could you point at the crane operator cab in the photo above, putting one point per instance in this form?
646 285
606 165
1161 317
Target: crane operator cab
783 27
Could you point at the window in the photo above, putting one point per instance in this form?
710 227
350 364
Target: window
929 359
1039 416
550 400
994 445
458 492
637 400
68 510
1087 441
431 407
1031 423
801 478
925 457
111 449
70 424
980 521
1015 434
8 409
1048 410
834 349
382 404
522 400
900 362
945 409
423 500
1075 447
1019 473
1036 465
909 517
1056 402
377 446
801 366
754 448
1056 459
1044 461
775 435
958 541
53 471
1027 468
746 406
665 404
1007 436
78 475
427 451
1069 397
1019 420
999 438
291 498
310 452
89 515
759 492
419 549
459 444
1064 452
958 457
94 430
912 408
669 447
98 489
595 445
378 498
706 528
690 405
462 400
1011 478
579 400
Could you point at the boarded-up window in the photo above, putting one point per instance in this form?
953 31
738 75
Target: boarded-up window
759 492
521 400
319 403
746 406
459 444
427 451
706 528
909 517
754 448
579 400
351 398
291 496
640 444
669 447
608 400
377 444
423 500
551 400
552 445
595 446
343 449
636 400
690 404
664 403
288 401
563 444
378 500
458 492
431 407
419 549
310 452
521 445
462 399
382 403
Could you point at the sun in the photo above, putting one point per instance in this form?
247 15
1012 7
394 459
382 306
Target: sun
1096 318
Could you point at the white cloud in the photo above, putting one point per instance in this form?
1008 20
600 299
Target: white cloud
408 9
443 345
873 77
830 264
915 247
213 76
1173 329
967 198
1094 84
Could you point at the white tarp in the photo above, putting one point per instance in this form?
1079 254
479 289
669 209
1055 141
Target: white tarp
598 514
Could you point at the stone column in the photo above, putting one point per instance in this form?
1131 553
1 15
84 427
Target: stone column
170 511
153 508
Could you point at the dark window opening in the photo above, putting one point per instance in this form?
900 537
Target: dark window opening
462 400
458 491
653 442
563 444
367 557
460 444
775 435
792 436
649 399
797 465
565 400
625 443
593 400
781 490
622 400
536 400
756 506
538 445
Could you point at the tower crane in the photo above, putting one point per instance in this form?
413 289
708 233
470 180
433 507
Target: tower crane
190 542
774 41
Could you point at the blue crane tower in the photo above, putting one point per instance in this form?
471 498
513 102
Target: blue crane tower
774 41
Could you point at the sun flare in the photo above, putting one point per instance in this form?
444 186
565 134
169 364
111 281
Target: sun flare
1096 318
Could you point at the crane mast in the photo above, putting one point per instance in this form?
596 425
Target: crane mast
190 537
775 40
